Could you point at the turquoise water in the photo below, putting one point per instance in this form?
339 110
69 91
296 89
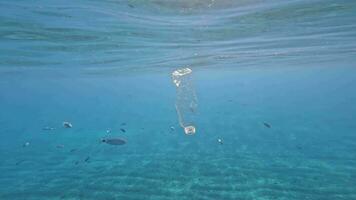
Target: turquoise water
107 65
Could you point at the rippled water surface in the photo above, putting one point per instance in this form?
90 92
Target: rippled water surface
166 34
274 82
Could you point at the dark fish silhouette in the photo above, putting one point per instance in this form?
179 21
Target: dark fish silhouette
114 141
87 159
72 150
266 125
131 6
123 124
19 162
123 130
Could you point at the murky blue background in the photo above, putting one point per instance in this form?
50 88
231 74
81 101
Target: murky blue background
107 65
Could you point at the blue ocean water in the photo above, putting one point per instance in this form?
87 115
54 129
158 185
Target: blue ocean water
275 81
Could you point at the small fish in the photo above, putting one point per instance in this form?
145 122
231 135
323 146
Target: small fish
192 109
131 6
76 162
87 159
67 125
266 125
47 128
123 124
26 144
19 162
108 131
172 128
123 130
220 141
114 141
60 146
72 150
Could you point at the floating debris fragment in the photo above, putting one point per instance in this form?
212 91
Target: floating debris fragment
114 141
220 141
266 125
67 125
172 128
123 130
26 144
108 131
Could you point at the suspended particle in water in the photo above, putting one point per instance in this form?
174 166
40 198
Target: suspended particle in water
186 100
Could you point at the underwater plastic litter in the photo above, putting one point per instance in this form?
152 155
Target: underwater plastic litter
186 100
